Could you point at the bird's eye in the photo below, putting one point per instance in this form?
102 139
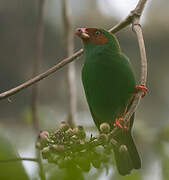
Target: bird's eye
97 33
79 31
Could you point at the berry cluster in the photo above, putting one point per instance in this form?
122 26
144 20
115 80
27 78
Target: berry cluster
69 147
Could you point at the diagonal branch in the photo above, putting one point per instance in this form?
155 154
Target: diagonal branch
34 80
127 21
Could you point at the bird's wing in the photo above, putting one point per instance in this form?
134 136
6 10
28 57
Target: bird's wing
96 120
89 97
104 84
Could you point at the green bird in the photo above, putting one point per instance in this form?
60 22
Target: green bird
109 84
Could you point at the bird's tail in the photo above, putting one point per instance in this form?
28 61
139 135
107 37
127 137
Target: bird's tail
126 155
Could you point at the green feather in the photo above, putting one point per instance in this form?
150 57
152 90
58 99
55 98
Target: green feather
109 83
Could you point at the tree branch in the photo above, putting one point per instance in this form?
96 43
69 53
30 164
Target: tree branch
41 76
137 11
129 19
137 29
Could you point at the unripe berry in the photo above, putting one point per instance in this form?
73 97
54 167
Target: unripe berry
105 128
64 126
58 148
79 132
123 149
45 152
69 132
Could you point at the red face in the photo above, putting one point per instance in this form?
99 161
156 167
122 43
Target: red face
92 35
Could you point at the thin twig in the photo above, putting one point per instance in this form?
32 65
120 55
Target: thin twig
18 159
129 19
118 27
41 76
68 35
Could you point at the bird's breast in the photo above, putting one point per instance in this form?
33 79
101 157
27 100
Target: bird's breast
107 87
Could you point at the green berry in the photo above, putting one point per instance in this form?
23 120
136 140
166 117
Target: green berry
38 145
43 140
44 135
105 128
123 149
81 128
58 148
64 126
69 132
45 152
79 132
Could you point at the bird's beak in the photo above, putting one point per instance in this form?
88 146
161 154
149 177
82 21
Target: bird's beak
82 33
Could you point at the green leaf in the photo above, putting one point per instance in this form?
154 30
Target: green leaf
66 174
10 170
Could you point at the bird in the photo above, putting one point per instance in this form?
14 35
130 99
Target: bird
109 84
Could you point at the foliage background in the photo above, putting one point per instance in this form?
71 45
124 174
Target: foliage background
17 54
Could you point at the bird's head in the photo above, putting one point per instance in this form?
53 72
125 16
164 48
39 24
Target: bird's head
97 37
92 35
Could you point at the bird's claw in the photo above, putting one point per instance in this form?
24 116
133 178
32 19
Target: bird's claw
120 123
142 88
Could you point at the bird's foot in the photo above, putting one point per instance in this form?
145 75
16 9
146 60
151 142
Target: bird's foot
142 88
121 124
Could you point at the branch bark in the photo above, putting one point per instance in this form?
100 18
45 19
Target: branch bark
137 29
71 71
129 19
34 80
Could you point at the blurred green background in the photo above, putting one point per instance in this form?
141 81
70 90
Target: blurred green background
18 19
